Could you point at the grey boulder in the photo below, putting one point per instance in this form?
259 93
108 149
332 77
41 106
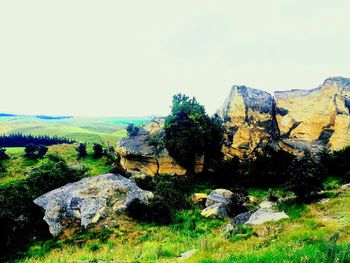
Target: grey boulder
92 200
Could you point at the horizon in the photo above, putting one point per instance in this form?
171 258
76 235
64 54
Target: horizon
89 59
145 116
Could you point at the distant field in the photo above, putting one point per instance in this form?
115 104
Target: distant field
90 130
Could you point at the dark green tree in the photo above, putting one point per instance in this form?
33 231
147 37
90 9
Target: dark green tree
190 132
35 152
304 177
98 150
3 155
81 150
132 129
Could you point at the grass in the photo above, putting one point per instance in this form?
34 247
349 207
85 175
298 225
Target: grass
17 166
304 237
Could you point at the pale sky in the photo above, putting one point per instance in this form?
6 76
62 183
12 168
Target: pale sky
127 58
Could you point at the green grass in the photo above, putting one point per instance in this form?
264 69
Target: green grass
304 237
17 166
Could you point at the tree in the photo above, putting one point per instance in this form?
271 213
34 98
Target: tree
3 155
35 152
304 177
98 150
190 132
132 129
81 150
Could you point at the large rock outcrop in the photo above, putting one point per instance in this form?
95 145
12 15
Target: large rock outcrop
139 153
295 120
317 116
90 201
249 121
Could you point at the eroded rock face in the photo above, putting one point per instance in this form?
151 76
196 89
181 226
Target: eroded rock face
318 116
249 122
92 200
296 120
138 153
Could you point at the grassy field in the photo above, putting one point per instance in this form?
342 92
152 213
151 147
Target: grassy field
90 130
17 166
304 237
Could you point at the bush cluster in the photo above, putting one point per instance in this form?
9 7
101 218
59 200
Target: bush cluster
34 152
171 194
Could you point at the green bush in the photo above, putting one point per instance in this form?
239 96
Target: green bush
34 152
81 150
3 154
171 194
190 132
98 150
304 177
132 129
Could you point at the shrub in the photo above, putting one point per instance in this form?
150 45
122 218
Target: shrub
190 132
304 177
132 129
81 150
35 152
3 155
98 150
171 193
237 203
157 211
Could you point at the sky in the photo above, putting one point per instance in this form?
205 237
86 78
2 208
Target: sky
128 58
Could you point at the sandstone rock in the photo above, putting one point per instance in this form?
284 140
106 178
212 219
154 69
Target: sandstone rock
198 197
218 210
249 121
138 154
317 116
92 200
296 120
263 215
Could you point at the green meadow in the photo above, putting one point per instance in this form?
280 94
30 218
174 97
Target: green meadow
90 130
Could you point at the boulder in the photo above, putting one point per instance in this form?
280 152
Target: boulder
198 197
188 254
218 210
237 220
263 215
90 201
219 196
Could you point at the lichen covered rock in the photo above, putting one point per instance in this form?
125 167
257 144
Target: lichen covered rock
90 201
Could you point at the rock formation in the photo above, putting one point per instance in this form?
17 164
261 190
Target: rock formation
90 201
248 119
317 116
139 153
295 120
